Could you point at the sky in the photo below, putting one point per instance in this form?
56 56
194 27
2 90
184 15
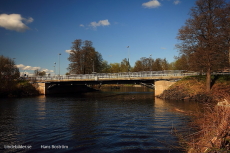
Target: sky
35 32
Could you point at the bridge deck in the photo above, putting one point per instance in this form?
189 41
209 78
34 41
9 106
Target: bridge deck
115 77
64 79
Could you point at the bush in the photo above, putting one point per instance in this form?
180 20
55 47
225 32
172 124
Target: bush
19 88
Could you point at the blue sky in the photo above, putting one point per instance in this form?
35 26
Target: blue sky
34 32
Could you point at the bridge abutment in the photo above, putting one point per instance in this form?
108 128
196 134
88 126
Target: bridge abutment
40 87
161 86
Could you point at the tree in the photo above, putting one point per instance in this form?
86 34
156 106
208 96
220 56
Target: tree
181 63
149 64
224 24
105 67
138 66
84 59
171 66
157 65
125 66
42 73
8 69
164 64
39 73
203 38
144 64
115 68
8 73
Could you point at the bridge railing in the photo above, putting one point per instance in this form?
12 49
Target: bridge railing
116 75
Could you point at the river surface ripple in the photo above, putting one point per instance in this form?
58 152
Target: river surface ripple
95 122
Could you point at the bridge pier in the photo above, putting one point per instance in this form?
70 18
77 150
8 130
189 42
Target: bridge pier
161 86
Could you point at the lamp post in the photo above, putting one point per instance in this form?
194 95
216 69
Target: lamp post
150 59
54 68
59 63
128 59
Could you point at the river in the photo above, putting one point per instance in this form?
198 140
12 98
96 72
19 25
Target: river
112 120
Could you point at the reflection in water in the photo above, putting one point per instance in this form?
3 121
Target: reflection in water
8 132
41 107
105 121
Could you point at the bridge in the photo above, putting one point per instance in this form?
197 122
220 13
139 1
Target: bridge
79 82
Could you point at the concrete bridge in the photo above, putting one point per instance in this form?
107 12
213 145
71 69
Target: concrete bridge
79 82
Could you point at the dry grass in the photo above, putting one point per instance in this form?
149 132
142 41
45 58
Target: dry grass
192 84
212 124
221 91
213 131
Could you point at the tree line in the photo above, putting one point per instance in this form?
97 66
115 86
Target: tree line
204 46
84 59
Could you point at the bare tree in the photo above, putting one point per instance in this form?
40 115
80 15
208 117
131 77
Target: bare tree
84 59
202 37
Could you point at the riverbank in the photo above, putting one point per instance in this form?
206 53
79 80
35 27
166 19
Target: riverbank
193 89
19 88
212 125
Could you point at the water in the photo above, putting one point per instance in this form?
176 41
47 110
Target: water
125 120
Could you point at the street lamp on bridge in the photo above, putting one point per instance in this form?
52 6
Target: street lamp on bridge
59 62
128 60
150 61
54 68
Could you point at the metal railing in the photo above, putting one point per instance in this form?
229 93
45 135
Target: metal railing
121 75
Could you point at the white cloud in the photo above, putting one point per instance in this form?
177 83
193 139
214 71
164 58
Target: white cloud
14 22
23 67
152 4
81 25
28 68
163 48
68 51
100 23
20 66
176 2
29 20
47 71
